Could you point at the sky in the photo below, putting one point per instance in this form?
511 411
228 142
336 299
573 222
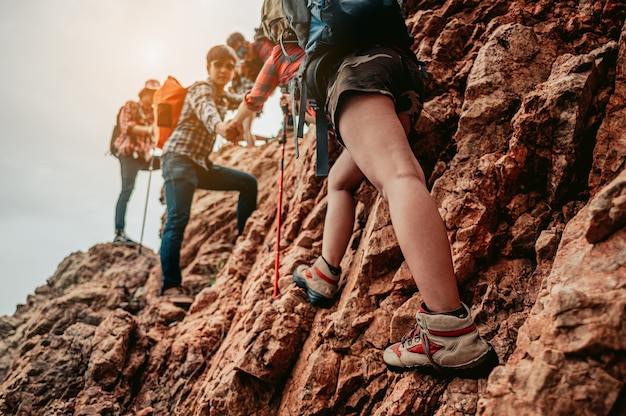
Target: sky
66 67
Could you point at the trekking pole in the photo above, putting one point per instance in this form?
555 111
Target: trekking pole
282 141
145 208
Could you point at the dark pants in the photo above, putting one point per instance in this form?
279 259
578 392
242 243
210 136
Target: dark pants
181 178
129 168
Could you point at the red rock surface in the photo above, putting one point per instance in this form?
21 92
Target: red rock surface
524 139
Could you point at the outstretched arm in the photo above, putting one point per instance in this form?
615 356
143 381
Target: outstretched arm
243 113
228 130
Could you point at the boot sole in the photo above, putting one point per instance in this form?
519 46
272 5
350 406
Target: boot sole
125 243
180 301
313 297
479 369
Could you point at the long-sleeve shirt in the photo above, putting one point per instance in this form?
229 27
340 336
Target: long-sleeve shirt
277 70
132 144
194 134
255 58
262 48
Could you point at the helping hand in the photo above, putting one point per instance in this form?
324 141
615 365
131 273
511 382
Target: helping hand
230 131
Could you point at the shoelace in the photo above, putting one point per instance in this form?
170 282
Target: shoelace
420 333
408 338
423 333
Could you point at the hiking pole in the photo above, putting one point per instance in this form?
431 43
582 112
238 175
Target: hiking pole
145 208
281 165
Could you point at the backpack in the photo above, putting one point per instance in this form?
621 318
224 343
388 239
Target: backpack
117 130
168 103
274 22
328 30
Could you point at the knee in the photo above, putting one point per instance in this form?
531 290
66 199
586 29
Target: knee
126 192
407 170
416 173
176 222
250 186
128 183
403 179
338 183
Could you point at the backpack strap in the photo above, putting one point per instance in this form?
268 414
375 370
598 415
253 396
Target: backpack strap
321 143
301 108
321 131
294 91
299 85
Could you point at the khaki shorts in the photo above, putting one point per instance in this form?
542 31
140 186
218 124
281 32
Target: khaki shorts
380 70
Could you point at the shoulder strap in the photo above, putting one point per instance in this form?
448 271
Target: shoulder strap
321 132
321 143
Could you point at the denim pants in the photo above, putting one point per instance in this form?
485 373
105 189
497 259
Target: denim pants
181 178
129 167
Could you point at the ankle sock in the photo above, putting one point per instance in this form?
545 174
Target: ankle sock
459 313
336 271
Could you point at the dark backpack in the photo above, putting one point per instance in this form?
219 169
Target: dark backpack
328 30
117 130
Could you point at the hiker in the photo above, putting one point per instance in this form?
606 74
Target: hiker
374 98
134 148
187 167
253 54
278 70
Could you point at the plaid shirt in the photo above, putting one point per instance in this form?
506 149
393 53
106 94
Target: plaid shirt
138 145
263 48
277 70
240 85
194 134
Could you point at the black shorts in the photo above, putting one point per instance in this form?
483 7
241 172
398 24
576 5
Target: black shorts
380 70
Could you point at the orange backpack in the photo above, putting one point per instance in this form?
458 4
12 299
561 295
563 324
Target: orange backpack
168 103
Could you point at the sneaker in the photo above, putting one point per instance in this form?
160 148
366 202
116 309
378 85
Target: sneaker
122 238
445 343
318 281
179 296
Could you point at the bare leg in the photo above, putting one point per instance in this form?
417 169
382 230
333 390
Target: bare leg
343 181
377 144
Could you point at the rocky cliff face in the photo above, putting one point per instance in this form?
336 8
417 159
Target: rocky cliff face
524 139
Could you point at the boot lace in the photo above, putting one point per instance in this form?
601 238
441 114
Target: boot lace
411 337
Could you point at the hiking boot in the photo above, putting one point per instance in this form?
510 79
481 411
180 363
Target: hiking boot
320 283
179 296
445 343
122 238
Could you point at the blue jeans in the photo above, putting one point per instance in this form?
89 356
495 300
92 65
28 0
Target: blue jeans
181 179
129 167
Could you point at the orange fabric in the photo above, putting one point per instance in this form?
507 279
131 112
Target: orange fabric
168 103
